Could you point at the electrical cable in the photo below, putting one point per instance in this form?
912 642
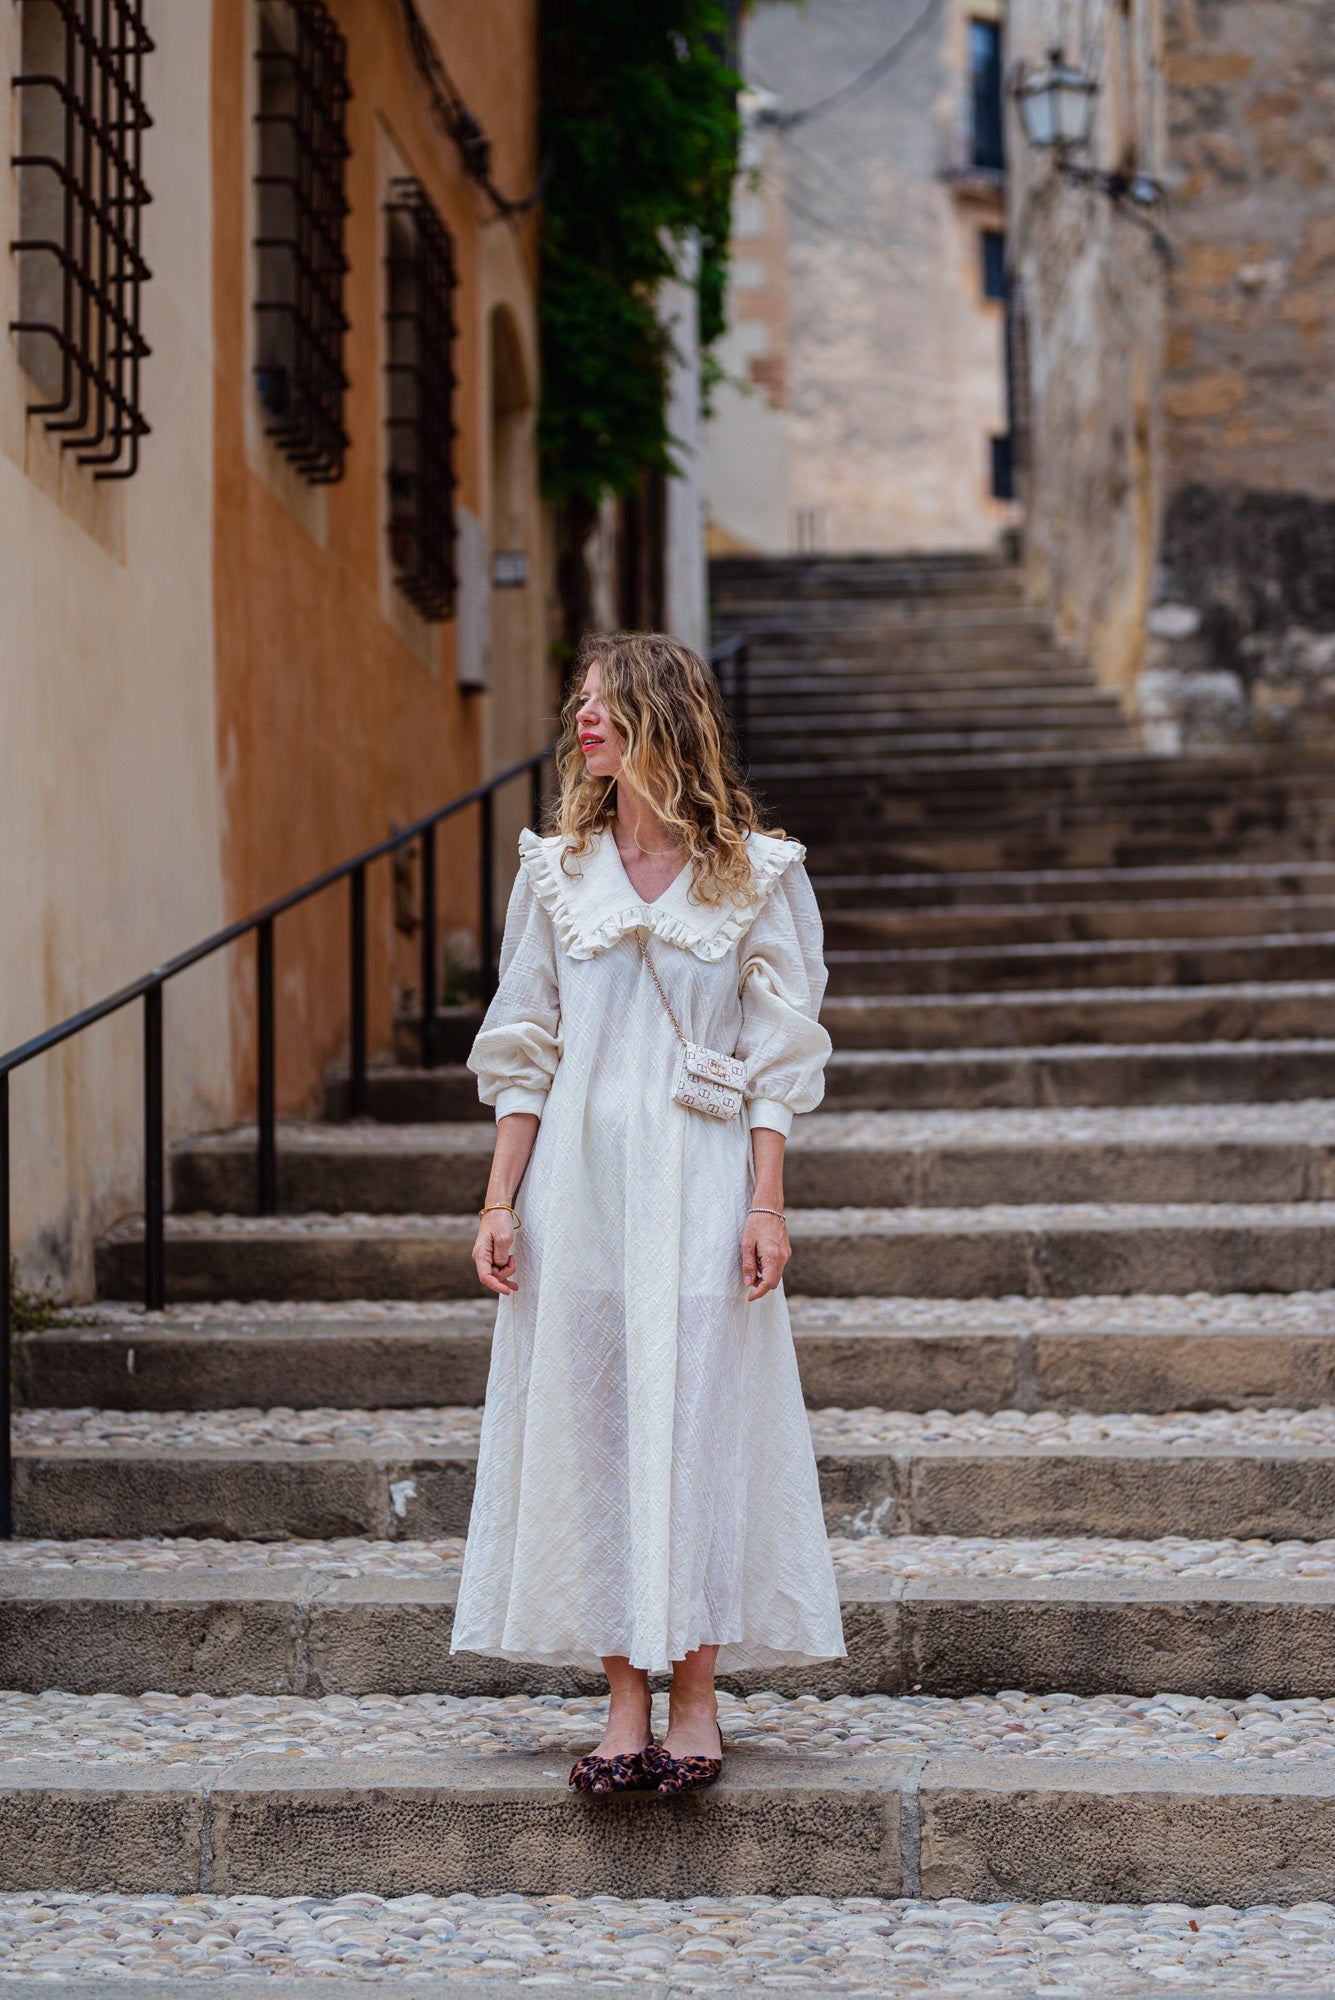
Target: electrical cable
458 122
863 80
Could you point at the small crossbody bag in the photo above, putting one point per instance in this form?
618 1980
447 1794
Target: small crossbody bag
703 1081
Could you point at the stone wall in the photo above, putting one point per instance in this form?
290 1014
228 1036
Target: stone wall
866 362
1089 290
1242 637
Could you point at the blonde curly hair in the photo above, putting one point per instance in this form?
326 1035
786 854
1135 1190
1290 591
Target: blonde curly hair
679 758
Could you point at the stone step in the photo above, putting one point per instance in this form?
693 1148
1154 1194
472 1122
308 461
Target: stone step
873 663
781 709
835 1159
1027 677
1040 888
1296 1010
850 577
1103 843
791 581
882 797
808 756
901 728
1129 774
402 1093
408 1474
1168 961
926 1079
955 924
380 1621
945 804
775 622
974 618
1138 1075
1130 1803
1153 1352
881 819
1055 1250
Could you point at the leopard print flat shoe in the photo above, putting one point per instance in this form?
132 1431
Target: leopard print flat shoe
631 1772
682 1774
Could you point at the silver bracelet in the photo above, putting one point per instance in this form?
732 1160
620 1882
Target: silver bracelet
769 1211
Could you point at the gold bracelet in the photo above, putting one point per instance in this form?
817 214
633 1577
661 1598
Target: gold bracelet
493 1205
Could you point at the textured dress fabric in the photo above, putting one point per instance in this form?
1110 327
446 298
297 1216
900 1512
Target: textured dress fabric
646 1481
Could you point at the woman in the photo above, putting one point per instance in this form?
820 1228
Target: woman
646 1488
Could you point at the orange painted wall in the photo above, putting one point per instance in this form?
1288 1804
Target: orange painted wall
330 726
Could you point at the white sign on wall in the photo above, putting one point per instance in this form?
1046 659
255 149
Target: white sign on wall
473 602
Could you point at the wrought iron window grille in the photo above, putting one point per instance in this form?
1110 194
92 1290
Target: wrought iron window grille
82 120
420 381
302 208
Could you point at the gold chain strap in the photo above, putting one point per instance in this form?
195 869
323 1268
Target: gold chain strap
644 954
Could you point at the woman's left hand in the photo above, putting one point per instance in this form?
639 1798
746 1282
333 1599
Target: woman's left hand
765 1252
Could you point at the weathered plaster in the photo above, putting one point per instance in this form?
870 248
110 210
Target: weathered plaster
110 814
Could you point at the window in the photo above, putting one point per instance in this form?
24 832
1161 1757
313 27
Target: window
1003 467
303 95
992 250
419 367
985 89
81 122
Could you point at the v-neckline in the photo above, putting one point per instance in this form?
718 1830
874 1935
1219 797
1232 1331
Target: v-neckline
649 903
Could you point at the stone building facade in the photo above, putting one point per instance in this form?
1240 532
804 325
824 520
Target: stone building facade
1179 477
864 401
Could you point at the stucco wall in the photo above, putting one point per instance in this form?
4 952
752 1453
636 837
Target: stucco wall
337 712
107 723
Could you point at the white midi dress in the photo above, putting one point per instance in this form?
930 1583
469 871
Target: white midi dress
646 1482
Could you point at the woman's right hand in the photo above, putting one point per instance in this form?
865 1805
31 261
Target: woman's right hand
494 1253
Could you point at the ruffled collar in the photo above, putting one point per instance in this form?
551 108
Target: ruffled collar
595 905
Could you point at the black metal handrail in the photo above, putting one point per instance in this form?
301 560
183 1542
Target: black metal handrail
149 988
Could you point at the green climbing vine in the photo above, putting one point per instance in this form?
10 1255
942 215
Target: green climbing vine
641 133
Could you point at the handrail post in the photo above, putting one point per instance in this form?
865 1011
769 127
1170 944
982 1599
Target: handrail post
357 997
486 883
266 1165
6 1329
155 1262
428 979
535 794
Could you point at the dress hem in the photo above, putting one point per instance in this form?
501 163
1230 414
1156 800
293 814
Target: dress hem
733 1658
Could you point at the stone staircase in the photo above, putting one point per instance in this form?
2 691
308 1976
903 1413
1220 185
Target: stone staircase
1064 1298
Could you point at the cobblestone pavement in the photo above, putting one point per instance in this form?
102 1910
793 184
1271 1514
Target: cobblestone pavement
1277 1312
904 1555
211 1729
1311 1119
459 1425
856 1947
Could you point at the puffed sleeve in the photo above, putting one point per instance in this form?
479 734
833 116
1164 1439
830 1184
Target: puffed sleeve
519 1043
782 1042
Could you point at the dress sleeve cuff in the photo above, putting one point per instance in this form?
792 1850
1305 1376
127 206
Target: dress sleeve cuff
518 1099
773 1116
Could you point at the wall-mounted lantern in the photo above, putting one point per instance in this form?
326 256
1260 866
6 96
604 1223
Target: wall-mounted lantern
1057 104
1056 107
